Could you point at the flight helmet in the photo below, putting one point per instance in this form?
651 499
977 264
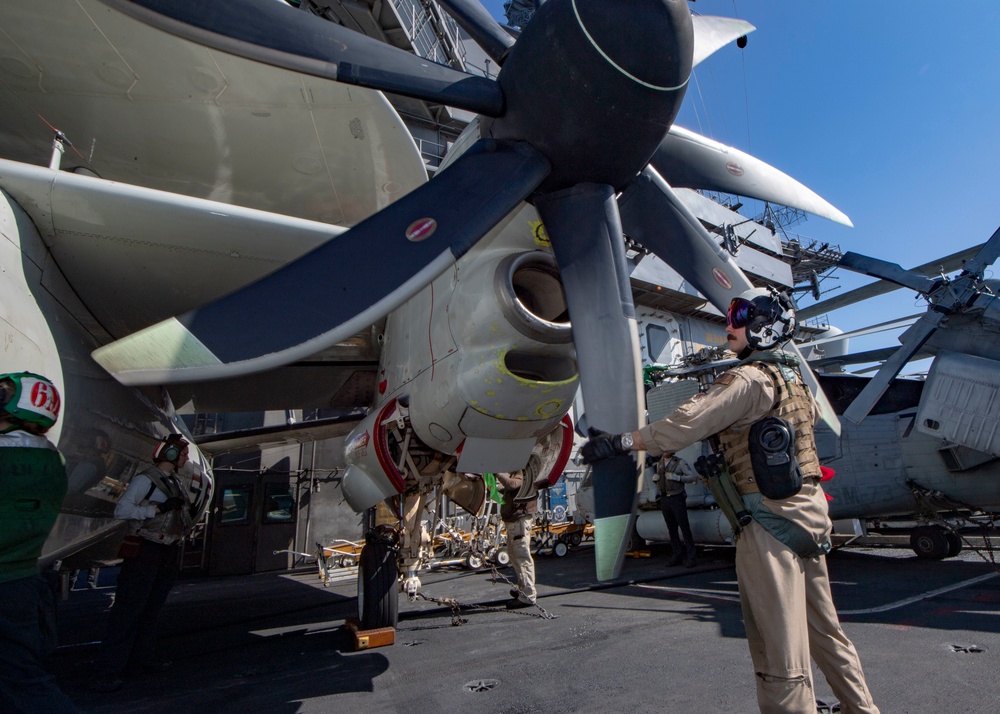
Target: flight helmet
30 399
768 315
170 449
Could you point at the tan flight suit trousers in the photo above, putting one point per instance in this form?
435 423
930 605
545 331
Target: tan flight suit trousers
519 550
780 592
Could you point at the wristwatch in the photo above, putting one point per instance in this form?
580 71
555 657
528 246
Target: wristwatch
626 440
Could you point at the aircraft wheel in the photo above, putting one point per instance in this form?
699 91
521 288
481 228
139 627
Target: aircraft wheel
378 596
929 543
954 543
473 561
560 549
502 557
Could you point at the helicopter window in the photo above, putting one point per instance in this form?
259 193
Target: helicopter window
658 344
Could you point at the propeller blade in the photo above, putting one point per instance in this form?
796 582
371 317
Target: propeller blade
943 265
986 256
655 216
913 339
275 33
686 159
472 17
712 33
885 270
584 227
340 287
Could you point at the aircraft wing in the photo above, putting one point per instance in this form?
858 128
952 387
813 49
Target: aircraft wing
280 435
151 109
135 255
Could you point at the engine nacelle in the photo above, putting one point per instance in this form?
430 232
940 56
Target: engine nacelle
510 373
476 373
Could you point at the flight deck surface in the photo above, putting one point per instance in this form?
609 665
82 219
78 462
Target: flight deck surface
658 639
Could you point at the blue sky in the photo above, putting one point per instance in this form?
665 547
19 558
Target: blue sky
889 110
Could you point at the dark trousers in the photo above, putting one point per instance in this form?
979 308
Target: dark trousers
27 637
143 585
674 509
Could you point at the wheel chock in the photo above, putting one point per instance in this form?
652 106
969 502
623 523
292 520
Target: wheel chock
367 639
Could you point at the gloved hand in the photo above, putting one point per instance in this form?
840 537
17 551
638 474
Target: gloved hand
602 445
174 503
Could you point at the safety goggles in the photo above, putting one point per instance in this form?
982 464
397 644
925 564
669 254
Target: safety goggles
739 313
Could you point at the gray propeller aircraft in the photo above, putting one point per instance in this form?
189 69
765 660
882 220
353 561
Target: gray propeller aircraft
479 270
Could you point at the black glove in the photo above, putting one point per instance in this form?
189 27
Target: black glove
602 445
174 503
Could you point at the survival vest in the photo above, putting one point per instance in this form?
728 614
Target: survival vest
167 527
793 404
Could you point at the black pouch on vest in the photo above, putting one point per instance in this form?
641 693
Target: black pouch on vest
772 455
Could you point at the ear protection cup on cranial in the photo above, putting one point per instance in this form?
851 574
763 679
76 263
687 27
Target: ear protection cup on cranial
770 317
170 449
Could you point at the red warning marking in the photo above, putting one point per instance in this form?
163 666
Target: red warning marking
722 279
421 229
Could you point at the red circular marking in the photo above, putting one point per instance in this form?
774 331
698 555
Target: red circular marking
722 279
421 229
734 168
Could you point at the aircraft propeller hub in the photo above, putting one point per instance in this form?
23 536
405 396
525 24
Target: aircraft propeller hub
595 89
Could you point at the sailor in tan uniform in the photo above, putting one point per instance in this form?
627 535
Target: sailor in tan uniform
755 410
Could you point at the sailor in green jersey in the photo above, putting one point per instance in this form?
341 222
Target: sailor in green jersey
33 475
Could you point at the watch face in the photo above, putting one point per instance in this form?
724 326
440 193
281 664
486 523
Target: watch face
627 440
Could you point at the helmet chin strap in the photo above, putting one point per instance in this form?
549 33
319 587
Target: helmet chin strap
745 352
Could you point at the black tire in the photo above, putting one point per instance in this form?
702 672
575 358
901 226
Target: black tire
929 542
576 538
378 595
954 543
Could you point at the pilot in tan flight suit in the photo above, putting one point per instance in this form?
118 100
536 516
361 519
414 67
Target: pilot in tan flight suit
757 407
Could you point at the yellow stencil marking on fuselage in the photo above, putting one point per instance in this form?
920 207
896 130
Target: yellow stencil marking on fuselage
539 233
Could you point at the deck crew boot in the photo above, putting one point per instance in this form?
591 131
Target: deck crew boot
689 559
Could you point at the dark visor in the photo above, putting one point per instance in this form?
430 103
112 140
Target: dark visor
739 313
